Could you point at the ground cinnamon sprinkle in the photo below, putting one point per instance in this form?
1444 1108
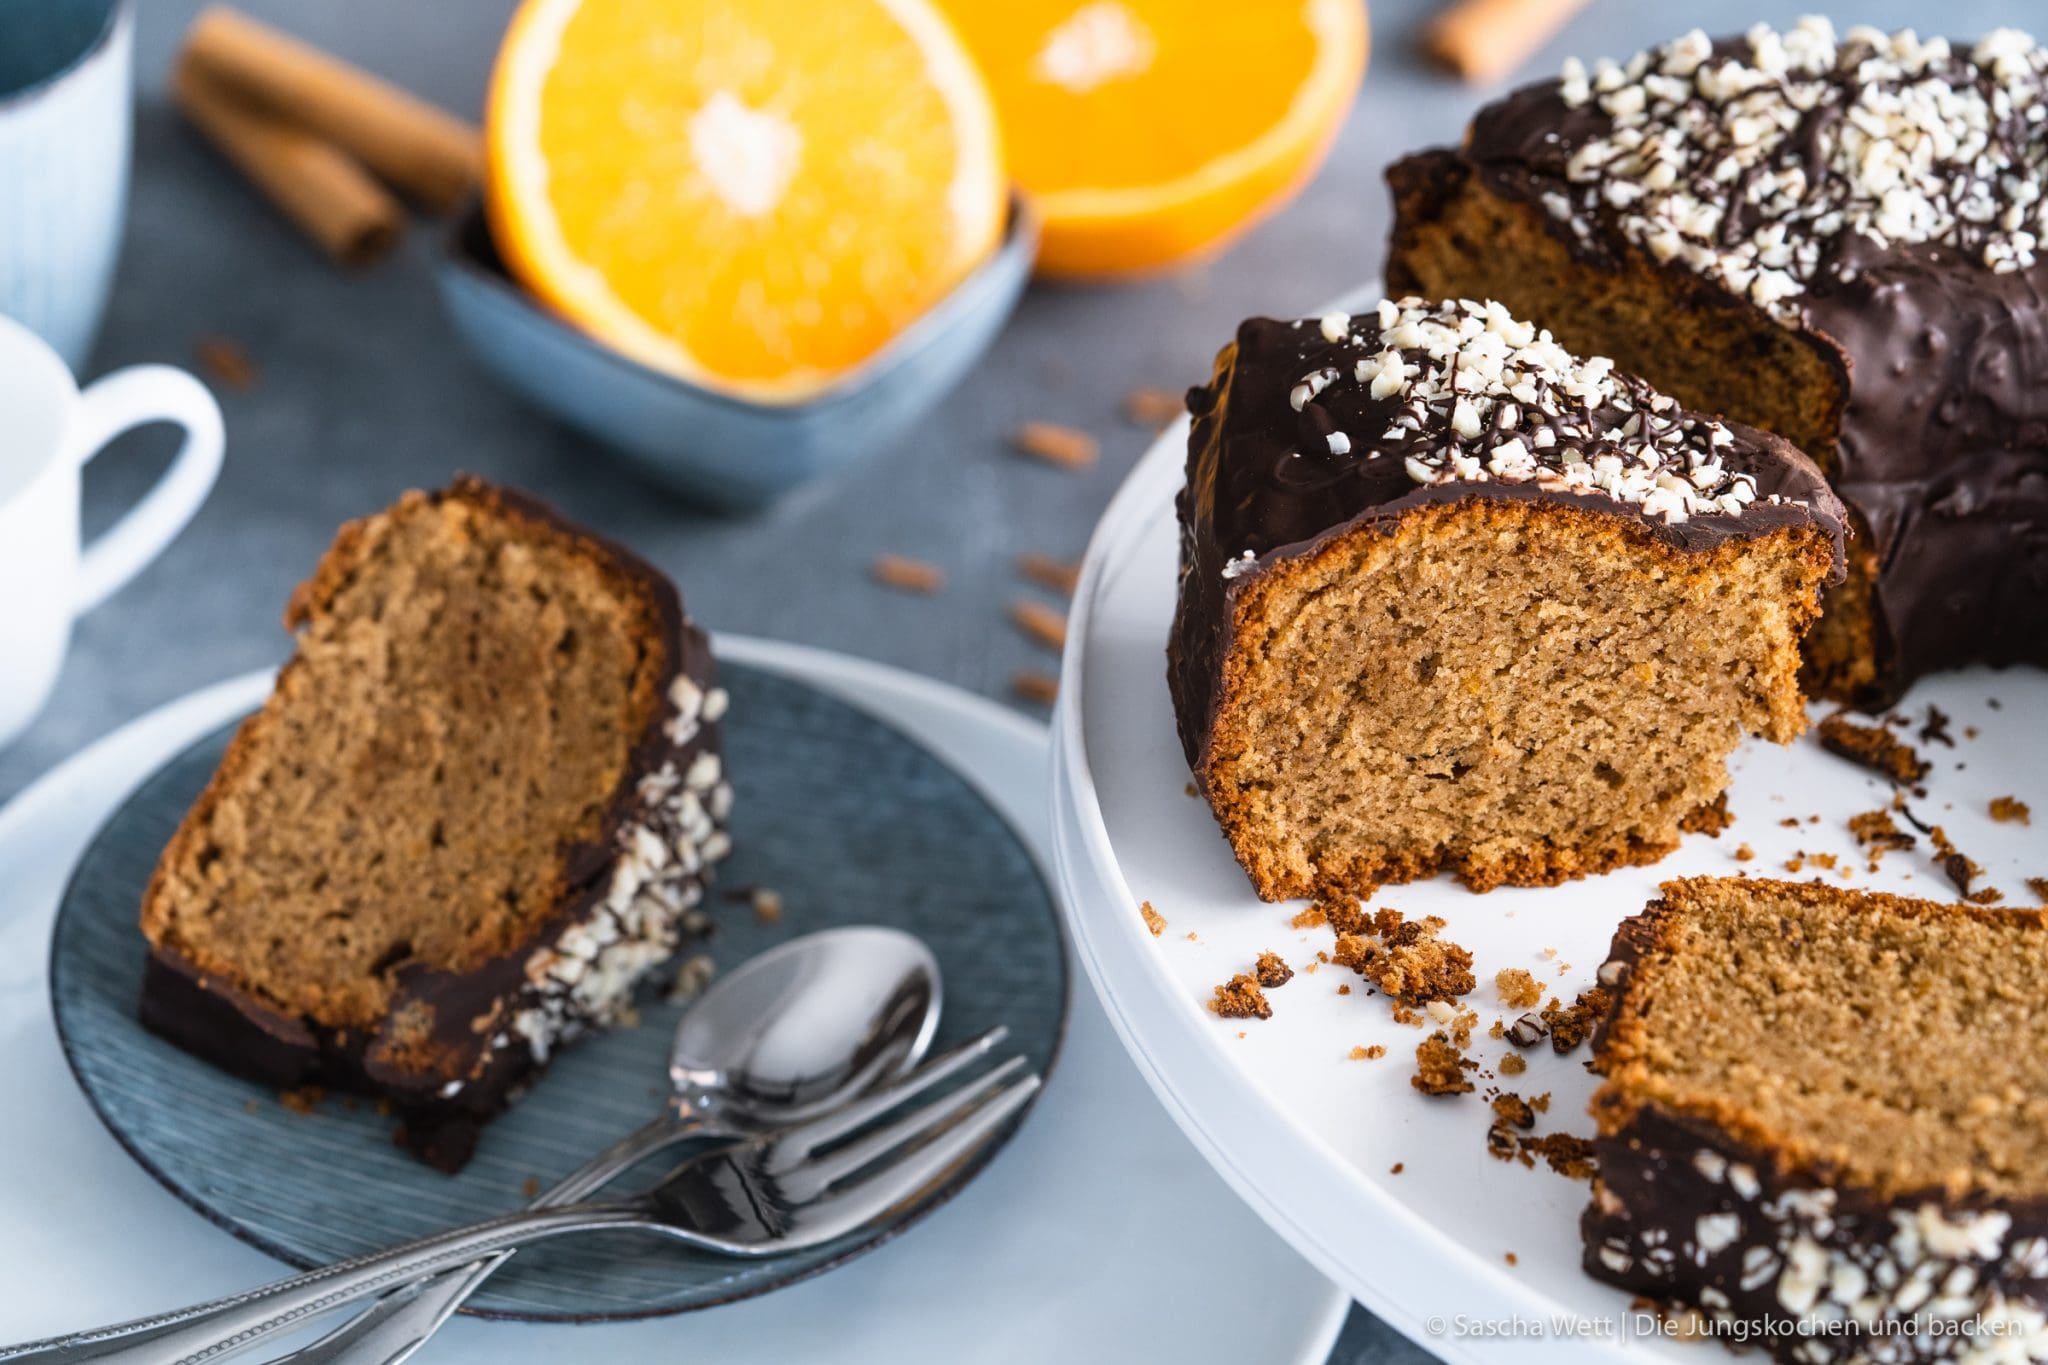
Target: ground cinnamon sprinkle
911 575
1440 1068
1048 572
2010 810
1518 989
1241 998
1056 444
1872 747
1271 971
1154 921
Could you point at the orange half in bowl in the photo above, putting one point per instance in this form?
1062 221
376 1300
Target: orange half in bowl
751 195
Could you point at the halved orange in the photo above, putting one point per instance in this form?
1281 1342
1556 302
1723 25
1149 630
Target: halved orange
755 195
1150 131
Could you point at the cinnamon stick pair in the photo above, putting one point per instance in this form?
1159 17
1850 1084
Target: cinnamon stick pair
315 134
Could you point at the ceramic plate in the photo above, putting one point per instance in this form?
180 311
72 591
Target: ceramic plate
1097 1224
845 816
1312 1138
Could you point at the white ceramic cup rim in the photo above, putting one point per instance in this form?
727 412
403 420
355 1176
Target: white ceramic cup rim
43 82
44 402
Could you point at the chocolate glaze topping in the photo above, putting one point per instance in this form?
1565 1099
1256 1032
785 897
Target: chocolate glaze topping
1314 428
1883 195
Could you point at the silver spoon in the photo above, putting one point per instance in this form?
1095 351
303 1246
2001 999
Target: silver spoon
798 1030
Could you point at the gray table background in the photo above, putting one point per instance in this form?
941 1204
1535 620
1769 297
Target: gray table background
362 392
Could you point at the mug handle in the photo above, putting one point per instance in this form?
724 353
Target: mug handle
134 397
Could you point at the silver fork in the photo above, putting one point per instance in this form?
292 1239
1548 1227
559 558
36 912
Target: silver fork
397 1324
797 1187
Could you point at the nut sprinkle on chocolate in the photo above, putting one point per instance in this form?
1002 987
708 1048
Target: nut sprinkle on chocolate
1482 396
1747 166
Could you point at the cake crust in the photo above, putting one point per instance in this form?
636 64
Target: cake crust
448 1047
1709 1199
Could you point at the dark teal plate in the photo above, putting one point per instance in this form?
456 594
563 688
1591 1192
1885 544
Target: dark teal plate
848 819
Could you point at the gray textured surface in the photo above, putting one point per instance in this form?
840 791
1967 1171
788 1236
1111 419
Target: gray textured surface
362 392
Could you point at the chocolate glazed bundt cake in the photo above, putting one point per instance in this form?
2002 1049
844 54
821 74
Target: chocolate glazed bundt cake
1835 240
480 804
1824 1121
1454 599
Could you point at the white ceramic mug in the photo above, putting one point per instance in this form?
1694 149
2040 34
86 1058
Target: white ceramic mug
65 99
48 430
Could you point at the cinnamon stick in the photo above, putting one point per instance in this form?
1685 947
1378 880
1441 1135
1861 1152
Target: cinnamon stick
350 215
427 152
1482 40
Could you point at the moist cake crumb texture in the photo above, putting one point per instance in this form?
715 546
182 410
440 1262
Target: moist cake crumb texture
1406 960
1831 236
1440 1067
1518 989
480 804
1240 998
1400 533
1271 971
1820 1104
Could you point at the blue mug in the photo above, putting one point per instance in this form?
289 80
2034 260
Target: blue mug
66 104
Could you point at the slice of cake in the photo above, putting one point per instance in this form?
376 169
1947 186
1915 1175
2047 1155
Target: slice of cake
1825 1115
1831 238
477 808
1453 599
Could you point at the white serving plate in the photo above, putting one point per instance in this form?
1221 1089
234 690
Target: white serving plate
1307 1135
1097 1229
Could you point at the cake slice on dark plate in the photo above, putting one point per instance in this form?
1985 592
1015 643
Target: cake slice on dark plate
480 804
1454 599
1825 1116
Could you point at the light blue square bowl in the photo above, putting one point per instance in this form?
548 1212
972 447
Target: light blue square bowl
707 447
